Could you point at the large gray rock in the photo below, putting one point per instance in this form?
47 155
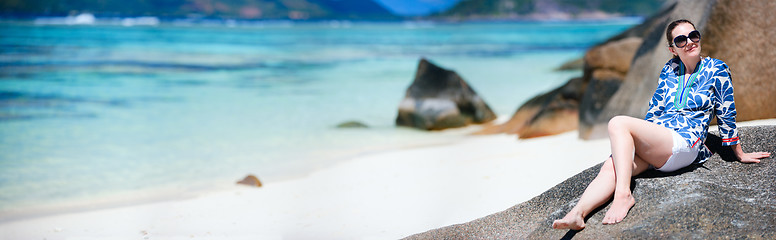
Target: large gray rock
605 69
607 64
439 98
741 34
559 110
722 198
727 28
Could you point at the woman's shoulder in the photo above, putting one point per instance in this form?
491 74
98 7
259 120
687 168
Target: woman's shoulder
717 68
715 63
673 61
672 64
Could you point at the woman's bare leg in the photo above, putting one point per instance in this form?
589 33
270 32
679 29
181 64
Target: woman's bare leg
652 144
631 137
596 194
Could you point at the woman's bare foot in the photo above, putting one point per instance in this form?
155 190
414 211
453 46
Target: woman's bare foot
573 220
619 209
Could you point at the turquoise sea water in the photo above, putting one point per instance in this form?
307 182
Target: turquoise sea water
100 111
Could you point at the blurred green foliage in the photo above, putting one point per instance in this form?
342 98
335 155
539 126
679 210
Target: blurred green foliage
245 9
505 8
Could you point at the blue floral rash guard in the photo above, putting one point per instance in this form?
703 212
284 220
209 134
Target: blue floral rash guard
687 104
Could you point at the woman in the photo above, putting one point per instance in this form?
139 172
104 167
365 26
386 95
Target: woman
690 90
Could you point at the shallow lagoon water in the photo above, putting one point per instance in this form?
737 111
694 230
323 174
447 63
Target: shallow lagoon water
106 111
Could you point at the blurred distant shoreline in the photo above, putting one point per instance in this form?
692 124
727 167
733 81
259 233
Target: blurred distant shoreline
89 19
333 10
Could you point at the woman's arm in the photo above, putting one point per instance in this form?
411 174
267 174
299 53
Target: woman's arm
725 109
749 157
657 103
724 105
656 106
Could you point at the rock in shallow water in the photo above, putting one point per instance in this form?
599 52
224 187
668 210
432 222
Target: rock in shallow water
352 124
438 99
722 198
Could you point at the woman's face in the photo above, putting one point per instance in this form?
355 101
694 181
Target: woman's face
692 49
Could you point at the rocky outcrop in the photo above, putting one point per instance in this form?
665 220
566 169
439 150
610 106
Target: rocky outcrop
729 34
611 60
438 99
547 114
621 74
557 111
576 64
604 67
722 198
727 28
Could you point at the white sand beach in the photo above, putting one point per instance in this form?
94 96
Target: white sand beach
385 195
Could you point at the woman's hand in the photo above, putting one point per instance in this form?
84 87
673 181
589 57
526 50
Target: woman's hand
753 157
749 157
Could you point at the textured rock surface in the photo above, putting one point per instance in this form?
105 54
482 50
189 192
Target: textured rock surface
550 113
438 99
727 28
605 66
722 198
601 88
731 33
614 57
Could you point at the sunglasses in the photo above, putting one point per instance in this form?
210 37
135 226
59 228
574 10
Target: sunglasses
681 40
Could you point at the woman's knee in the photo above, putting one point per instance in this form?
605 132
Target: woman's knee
607 169
620 122
617 122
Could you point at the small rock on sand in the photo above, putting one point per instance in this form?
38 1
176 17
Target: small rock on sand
250 180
